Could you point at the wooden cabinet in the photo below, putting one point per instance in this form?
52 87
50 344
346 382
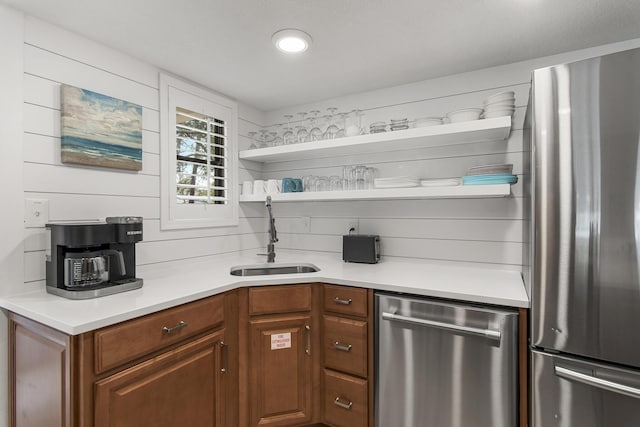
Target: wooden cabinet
174 367
347 337
281 339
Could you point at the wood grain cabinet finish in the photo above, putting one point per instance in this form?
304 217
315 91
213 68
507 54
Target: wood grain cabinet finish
131 374
182 387
345 345
280 371
345 400
347 337
346 300
155 331
279 299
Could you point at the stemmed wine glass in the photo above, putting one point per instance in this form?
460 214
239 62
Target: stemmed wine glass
302 133
288 137
252 137
315 134
341 131
332 129
276 139
264 143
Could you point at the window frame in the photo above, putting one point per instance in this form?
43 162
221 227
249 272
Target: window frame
175 92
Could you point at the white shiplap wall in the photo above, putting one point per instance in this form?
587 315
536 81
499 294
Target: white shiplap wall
479 232
53 56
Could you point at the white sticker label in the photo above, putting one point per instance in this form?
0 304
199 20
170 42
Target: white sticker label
279 341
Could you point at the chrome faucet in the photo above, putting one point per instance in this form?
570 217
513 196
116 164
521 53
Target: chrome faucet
273 236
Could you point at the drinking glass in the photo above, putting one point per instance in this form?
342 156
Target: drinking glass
315 134
353 125
308 183
369 175
301 131
360 180
322 183
335 183
349 174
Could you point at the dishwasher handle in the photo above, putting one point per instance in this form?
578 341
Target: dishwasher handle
487 333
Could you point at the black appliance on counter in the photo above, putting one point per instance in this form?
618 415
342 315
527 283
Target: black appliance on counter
91 260
362 248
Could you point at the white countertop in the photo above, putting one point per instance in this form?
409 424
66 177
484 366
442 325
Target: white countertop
173 283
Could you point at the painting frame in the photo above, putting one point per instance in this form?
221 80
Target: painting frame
99 130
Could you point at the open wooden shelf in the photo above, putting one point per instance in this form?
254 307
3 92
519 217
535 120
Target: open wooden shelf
495 129
459 191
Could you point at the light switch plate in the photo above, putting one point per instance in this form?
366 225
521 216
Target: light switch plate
36 212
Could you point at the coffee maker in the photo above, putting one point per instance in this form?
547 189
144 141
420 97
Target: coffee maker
91 260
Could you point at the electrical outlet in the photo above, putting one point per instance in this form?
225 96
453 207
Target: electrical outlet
352 224
36 212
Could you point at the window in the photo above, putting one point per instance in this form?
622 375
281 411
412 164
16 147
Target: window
198 157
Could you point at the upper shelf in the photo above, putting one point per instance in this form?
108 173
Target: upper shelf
458 191
449 134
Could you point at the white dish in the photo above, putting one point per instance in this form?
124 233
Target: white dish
397 185
505 102
497 113
464 115
500 96
443 182
428 121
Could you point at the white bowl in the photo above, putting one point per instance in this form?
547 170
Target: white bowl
510 101
493 110
428 121
464 115
497 113
500 96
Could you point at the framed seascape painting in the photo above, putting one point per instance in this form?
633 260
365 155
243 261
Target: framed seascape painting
98 130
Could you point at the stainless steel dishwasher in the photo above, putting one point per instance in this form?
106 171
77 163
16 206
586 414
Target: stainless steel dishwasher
444 364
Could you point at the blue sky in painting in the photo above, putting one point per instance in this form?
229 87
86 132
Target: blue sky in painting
92 116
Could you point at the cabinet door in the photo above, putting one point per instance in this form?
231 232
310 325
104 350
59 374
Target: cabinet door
280 370
182 387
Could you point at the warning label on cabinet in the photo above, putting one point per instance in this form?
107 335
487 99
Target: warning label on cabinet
279 341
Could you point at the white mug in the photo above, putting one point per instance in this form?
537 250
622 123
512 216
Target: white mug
259 186
274 186
247 188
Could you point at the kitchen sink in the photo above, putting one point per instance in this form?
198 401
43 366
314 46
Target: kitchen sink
269 269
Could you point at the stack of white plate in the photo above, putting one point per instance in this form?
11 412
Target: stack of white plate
428 121
399 124
440 182
377 127
396 182
500 104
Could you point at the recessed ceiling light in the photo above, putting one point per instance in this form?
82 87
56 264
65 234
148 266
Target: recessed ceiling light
291 41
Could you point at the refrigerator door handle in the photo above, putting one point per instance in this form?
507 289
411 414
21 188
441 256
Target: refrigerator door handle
597 382
487 333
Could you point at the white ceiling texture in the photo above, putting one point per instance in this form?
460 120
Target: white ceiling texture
358 45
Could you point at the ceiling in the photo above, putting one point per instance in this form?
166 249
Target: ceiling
358 45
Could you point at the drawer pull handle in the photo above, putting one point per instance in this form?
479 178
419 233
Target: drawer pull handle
341 404
179 326
338 300
341 347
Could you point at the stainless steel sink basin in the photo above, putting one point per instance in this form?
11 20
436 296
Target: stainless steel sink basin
269 269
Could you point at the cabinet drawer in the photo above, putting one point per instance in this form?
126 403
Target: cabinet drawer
345 345
345 400
279 299
345 300
126 341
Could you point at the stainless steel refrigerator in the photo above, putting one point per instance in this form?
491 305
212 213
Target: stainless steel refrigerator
585 283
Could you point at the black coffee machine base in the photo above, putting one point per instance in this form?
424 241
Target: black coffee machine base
95 293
